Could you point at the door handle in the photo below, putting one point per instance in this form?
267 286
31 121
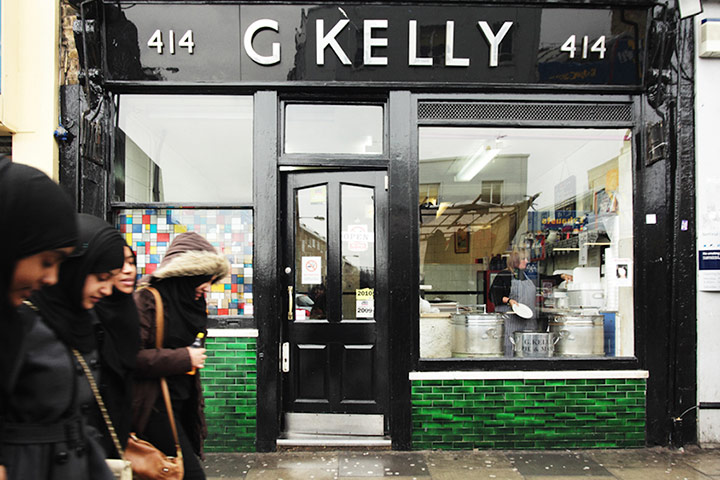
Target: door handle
285 357
290 302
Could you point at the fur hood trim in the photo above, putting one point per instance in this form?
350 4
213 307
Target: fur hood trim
192 263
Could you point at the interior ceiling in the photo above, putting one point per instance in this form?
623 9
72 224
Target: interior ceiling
472 216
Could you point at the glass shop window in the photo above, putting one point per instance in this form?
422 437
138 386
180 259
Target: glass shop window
184 148
149 232
525 242
334 129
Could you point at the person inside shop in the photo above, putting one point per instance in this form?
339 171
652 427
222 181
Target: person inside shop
317 293
119 342
182 279
48 428
513 286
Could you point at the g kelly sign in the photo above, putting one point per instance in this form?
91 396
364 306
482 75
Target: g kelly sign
386 45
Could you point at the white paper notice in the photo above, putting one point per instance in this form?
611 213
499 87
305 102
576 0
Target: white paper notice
583 253
311 270
364 303
621 272
709 270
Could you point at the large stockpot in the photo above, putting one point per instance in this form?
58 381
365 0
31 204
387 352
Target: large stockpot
579 333
478 335
533 344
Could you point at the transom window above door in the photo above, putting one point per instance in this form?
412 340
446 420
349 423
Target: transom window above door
334 129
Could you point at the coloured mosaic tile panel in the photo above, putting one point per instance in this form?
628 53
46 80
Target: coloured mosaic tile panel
150 231
528 414
230 389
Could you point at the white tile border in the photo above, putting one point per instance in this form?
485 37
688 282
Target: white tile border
232 332
529 375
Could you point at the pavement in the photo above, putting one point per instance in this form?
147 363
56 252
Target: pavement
689 463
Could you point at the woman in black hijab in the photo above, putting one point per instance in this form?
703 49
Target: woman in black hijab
188 269
119 342
39 229
45 432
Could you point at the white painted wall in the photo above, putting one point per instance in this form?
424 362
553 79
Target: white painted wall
707 105
29 82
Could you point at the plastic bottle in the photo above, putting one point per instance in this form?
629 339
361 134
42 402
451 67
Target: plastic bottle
197 343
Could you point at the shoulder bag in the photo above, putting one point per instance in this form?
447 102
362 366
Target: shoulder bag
146 461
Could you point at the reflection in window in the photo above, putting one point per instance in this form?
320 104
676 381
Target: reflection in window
184 148
542 217
311 236
358 252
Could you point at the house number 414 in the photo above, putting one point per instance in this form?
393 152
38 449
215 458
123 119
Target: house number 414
597 47
186 41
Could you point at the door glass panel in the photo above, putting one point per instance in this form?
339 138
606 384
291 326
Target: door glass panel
358 252
310 252
334 129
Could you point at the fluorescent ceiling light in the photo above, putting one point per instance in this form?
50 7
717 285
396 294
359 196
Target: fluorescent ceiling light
477 162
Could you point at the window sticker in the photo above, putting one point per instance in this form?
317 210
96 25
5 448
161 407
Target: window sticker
311 270
364 303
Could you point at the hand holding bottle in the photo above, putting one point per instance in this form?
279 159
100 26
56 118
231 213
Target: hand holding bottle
197 354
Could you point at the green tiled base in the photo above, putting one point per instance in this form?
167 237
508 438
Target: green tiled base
528 414
230 388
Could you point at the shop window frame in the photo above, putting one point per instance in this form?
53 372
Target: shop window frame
625 103
332 160
114 206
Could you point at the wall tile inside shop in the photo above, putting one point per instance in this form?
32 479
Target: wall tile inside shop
150 231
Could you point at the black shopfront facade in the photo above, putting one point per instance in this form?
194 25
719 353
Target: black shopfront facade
370 170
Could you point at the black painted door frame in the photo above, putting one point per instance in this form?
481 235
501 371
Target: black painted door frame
337 361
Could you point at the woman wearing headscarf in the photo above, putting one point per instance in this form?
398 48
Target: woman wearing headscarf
45 432
39 230
118 343
183 277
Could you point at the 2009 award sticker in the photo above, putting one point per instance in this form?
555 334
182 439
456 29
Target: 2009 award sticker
311 270
364 303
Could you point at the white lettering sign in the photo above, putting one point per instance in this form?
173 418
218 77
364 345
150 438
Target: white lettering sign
324 41
255 27
369 42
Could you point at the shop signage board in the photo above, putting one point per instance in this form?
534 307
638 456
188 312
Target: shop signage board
381 44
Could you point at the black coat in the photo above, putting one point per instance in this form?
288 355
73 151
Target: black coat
45 434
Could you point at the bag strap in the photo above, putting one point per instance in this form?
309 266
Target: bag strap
99 400
159 337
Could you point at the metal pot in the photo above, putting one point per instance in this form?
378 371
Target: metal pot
533 344
478 335
579 334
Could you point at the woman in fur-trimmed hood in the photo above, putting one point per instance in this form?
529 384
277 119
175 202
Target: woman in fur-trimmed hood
186 273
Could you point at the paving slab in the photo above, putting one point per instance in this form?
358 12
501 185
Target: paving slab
681 473
557 465
396 464
470 460
490 473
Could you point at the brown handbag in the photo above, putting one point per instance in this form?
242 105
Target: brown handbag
146 461
149 463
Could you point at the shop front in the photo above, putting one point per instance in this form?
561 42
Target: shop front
446 223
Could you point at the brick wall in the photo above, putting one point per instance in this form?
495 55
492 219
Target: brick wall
528 413
230 388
